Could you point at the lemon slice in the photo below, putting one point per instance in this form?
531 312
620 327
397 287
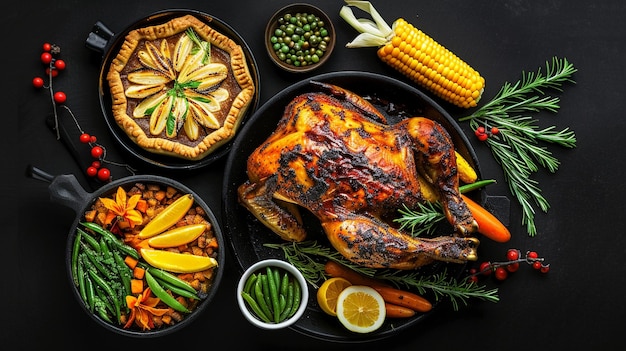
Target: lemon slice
173 213
328 293
361 309
177 262
177 236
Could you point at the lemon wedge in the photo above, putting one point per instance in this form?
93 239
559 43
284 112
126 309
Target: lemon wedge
177 262
328 293
361 309
177 236
173 213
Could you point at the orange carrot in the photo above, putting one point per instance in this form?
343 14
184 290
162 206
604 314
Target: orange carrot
404 298
130 262
488 224
136 286
335 269
396 311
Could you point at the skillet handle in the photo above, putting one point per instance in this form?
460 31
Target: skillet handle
64 189
99 37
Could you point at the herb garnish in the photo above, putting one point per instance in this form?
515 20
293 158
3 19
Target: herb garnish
305 256
516 147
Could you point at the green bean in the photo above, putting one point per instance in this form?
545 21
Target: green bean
170 278
80 276
284 283
273 293
249 283
75 251
476 185
109 291
287 310
296 298
163 295
176 290
90 294
255 306
258 295
112 238
91 241
125 272
100 306
95 261
266 292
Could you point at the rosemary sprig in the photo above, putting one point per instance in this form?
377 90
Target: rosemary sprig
422 220
516 147
306 257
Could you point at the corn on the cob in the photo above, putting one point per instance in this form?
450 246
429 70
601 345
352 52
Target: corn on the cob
416 55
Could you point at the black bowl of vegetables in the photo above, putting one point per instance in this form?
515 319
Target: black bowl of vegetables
144 256
299 38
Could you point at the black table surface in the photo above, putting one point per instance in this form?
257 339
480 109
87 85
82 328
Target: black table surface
577 305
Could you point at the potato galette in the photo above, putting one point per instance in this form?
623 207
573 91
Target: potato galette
180 88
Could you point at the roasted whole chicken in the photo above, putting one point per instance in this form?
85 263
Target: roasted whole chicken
334 154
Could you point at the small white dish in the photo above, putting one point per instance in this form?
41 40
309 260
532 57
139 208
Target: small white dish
261 267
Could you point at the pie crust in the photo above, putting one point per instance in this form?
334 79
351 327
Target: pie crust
226 117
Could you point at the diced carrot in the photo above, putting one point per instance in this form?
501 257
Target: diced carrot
142 206
90 215
159 195
136 286
138 272
130 262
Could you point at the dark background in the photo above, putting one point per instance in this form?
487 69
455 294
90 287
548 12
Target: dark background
577 305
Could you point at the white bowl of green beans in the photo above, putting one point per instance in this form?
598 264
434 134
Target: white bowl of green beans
272 294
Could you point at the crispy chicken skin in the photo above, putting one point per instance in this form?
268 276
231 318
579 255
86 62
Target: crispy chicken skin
333 154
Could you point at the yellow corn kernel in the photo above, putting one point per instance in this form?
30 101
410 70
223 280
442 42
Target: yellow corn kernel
416 55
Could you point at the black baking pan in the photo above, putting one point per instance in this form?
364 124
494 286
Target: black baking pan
105 41
67 191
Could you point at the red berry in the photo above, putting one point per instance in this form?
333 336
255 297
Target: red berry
480 130
47 47
537 265
485 268
54 72
532 254
512 267
501 273
37 82
93 139
544 268
59 64
104 174
59 97
482 137
473 278
84 138
512 254
495 130
92 171
97 151
46 58
96 164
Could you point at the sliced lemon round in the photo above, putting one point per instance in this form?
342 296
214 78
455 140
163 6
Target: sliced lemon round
173 213
361 309
177 262
177 236
328 293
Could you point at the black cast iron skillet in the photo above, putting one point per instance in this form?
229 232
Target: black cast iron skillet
248 236
66 190
103 40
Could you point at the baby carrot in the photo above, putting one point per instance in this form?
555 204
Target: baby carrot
488 224
404 298
396 311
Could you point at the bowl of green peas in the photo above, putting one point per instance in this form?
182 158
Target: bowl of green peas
272 294
299 38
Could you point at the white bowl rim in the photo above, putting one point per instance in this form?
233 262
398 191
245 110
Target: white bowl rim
304 291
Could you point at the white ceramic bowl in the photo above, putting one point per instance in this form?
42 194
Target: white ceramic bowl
260 267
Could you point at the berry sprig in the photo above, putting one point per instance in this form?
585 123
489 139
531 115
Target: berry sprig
53 67
501 270
482 133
